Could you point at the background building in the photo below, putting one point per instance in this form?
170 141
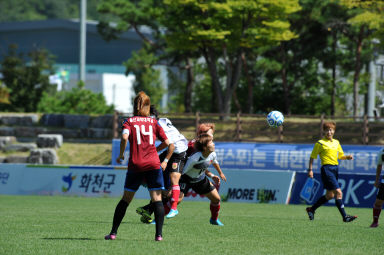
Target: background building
105 72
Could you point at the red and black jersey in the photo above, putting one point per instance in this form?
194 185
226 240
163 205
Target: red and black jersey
142 134
191 147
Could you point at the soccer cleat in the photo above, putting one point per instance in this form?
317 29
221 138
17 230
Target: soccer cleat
374 225
110 237
311 214
216 222
172 213
144 213
158 238
349 218
145 220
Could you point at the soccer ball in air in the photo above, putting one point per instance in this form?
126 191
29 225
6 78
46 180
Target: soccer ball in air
275 119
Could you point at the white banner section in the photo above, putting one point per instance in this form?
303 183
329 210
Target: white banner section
251 186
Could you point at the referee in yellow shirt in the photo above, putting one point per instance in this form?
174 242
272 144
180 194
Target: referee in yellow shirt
330 151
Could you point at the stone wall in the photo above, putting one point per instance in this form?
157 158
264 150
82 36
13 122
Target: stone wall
68 125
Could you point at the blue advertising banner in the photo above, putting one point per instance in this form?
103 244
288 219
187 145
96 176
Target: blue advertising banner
251 186
278 156
358 189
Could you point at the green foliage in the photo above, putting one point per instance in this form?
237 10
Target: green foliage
4 94
20 10
141 64
176 87
76 101
26 78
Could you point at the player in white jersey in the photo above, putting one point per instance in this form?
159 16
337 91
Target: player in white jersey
173 161
380 194
195 175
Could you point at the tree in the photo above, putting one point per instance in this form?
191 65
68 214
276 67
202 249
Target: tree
367 20
76 101
20 10
26 78
141 64
221 31
217 31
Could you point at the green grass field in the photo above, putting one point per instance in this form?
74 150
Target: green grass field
77 225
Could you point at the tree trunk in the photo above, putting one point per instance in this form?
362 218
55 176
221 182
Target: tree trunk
356 76
233 79
287 102
224 99
189 86
211 63
333 92
250 84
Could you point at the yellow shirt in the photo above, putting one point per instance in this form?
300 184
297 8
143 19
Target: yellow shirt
329 151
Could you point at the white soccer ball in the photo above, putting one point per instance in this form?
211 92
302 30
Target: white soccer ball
275 119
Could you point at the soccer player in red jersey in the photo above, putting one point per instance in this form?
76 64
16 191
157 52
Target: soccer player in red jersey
141 131
380 194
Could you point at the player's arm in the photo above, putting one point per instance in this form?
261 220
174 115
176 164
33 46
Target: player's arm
164 144
313 156
171 148
310 165
342 155
219 171
378 173
123 144
346 157
215 178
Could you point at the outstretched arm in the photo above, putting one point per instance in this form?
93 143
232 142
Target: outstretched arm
215 178
218 169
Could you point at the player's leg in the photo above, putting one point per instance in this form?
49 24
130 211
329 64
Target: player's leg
214 207
377 206
175 177
155 187
325 177
206 188
120 210
175 168
132 183
340 206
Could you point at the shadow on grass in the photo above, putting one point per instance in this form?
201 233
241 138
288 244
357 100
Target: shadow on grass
70 238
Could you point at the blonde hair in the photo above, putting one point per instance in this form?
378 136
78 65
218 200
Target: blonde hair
329 124
142 104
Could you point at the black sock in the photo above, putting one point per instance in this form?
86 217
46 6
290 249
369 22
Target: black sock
159 217
120 210
340 206
322 200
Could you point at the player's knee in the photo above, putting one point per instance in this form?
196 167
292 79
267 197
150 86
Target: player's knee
215 200
329 196
378 204
339 194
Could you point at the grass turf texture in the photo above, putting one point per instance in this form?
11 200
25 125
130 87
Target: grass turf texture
77 225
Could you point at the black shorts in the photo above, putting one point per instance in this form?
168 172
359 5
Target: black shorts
202 187
380 193
330 176
176 162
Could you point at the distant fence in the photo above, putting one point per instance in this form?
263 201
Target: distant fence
296 128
